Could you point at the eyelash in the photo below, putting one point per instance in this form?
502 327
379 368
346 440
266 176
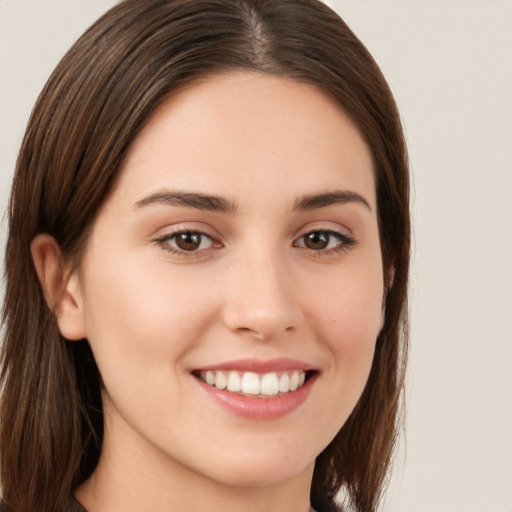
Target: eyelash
164 243
345 243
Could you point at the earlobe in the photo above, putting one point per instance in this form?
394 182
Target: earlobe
62 290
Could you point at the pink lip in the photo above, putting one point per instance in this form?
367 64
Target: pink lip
259 366
260 408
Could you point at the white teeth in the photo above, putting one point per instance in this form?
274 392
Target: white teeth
284 383
220 380
269 384
210 378
234 382
250 383
294 381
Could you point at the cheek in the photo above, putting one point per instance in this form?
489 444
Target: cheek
348 317
143 314
351 302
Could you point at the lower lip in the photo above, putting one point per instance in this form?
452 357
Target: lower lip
260 408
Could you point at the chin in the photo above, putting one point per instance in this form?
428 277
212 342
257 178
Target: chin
263 472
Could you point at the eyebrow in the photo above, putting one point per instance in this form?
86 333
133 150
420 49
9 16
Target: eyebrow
315 201
190 200
219 204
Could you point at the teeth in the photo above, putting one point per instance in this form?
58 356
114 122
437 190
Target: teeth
294 381
284 383
250 383
220 380
234 382
210 378
269 384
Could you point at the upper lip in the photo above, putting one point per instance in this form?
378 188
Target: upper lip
259 365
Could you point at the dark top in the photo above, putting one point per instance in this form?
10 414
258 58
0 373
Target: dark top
75 506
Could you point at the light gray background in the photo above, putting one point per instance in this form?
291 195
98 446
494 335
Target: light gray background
449 64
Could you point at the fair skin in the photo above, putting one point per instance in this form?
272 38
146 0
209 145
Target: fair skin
272 277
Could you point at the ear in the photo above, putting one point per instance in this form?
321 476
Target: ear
62 290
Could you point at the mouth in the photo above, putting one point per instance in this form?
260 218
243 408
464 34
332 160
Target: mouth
254 384
258 389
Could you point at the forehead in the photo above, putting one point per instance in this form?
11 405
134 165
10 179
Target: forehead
228 133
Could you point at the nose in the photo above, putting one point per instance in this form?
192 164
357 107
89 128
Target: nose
261 300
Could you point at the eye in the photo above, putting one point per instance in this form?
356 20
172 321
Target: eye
186 241
325 240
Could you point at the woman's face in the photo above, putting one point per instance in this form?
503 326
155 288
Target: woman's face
238 248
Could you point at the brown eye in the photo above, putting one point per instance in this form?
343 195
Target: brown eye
188 241
317 240
325 241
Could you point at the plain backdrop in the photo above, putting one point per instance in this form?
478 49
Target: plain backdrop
449 65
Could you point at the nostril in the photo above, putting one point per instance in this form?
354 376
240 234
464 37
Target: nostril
262 332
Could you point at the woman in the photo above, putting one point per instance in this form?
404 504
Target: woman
206 267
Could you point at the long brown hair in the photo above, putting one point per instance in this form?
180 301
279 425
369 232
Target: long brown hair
94 104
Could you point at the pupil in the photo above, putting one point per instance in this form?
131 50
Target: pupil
317 240
188 241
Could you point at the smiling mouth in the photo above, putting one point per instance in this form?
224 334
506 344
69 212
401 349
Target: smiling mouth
257 385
